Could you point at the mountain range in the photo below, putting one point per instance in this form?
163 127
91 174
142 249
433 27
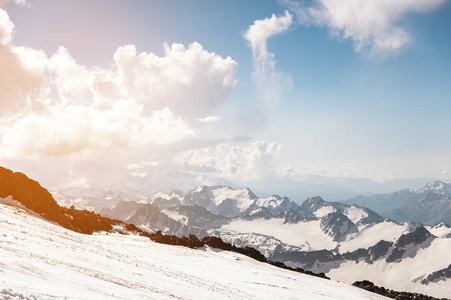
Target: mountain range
428 205
50 260
347 242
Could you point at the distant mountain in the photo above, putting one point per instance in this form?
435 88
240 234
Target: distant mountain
432 208
221 200
428 205
331 188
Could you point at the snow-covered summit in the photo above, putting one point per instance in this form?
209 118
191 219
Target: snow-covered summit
221 200
436 187
274 203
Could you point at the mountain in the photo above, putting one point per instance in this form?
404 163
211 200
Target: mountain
409 263
221 200
432 208
327 237
46 261
122 210
428 205
331 188
319 236
316 235
17 189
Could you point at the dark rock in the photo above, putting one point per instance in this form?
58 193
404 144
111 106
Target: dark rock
369 286
307 258
437 276
337 225
299 270
416 237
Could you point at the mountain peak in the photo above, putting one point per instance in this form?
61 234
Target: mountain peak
437 186
313 203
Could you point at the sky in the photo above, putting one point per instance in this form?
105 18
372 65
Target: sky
178 92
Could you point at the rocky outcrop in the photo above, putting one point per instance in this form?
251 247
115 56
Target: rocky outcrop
337 225
415 238
29 193
437 276
312 204
308 259
369 286
291 216
152 219
369 255
198 216
36 198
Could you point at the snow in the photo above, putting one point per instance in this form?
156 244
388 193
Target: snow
407 274
40 260
272 202
267 245
355 214
299 234
324 211
241 196
373 233
173 214
440 230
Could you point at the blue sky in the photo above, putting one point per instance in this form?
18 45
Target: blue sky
343 105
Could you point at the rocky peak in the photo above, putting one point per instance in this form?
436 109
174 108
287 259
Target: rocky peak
313 203
337 225
419 238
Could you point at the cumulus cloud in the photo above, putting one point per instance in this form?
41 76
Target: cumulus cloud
55 107
18 84
86 131
243 162
270 84
190 81
370 24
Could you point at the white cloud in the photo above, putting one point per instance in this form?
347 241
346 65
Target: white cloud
369 23
190 81
18 83
85 131
260 32
6 28
270 84
243 162
209 119
55 107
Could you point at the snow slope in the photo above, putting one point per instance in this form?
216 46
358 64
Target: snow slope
306 235
407 274
44 261
370 234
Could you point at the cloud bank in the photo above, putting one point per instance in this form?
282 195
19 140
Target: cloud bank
55 107
244 162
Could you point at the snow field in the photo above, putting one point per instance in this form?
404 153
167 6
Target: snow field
299 234
44 261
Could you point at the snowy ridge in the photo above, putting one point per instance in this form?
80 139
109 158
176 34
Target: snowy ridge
44 261
221 200
428 205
